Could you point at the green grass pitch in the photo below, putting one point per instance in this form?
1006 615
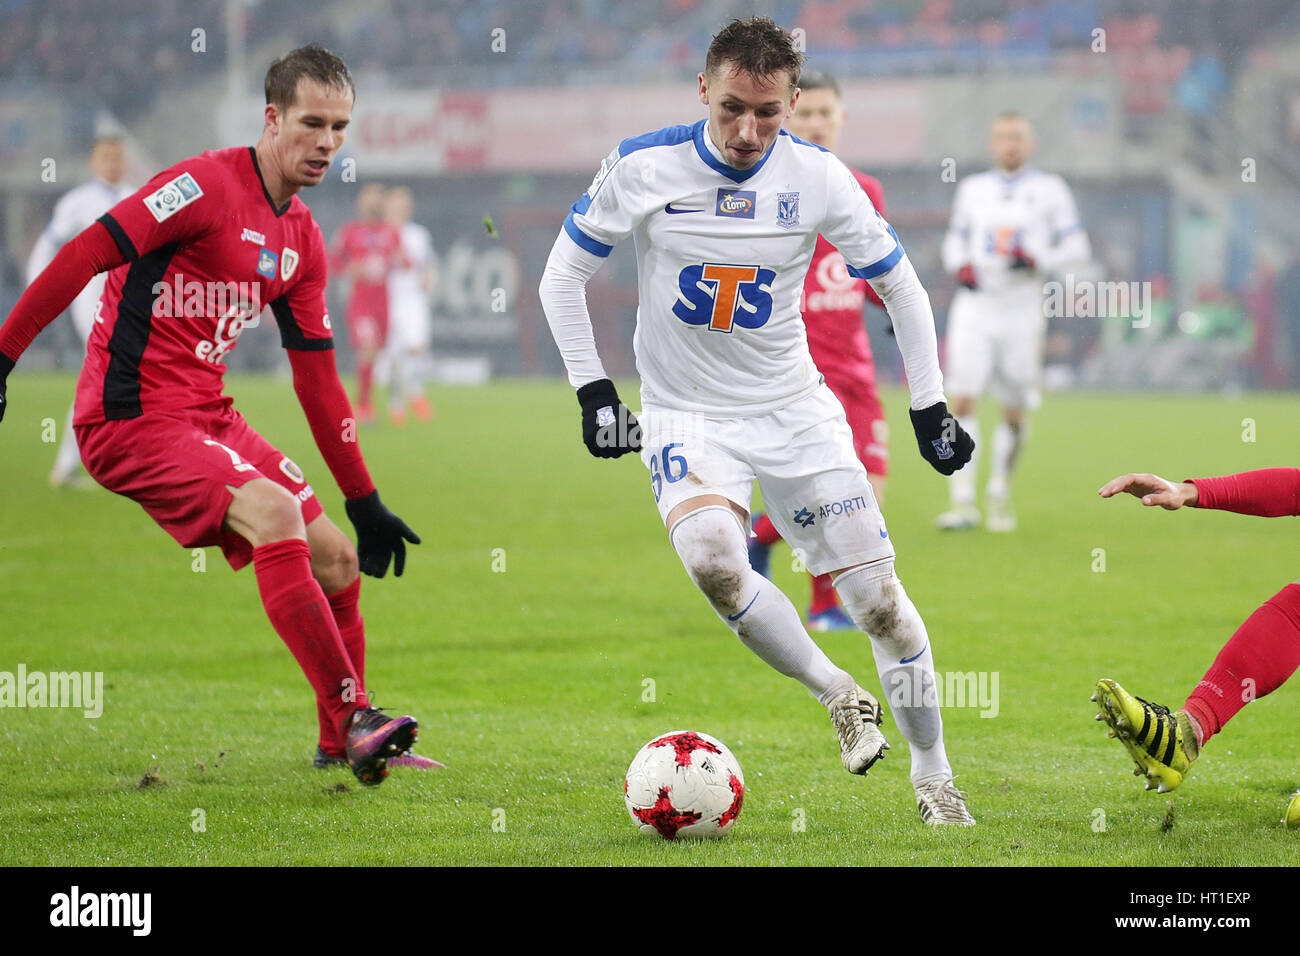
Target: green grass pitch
544 600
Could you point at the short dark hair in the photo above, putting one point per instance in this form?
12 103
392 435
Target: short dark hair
757 46
819 80
312 62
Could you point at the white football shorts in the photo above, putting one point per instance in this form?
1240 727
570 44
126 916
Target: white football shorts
995 345
814 487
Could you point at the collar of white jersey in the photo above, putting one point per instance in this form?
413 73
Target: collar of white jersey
1010 179
712 156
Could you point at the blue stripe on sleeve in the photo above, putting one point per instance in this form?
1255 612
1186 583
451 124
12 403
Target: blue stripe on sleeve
583 240
881 266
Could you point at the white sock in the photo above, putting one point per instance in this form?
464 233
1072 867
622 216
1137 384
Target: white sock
712 545
961 484
914 702
878 603
1007 442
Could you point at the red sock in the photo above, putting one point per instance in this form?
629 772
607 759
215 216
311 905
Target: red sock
352 629
1257 660
365 371
301 616
765 531
823 594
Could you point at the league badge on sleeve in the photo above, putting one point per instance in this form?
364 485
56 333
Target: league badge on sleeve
171 197
787 210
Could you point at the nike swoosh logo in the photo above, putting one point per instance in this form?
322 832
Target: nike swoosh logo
908 660
737 617
677 212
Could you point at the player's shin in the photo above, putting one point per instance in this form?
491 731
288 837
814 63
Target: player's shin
1260 657
347 616
1008 440
711 545
878 604
302 616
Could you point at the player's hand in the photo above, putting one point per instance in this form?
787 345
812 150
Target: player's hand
966 276
609 429
943 442
6 366
1153 490
381 536
1022 260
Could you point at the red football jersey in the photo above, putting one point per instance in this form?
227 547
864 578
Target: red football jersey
206 251
832 306
377 247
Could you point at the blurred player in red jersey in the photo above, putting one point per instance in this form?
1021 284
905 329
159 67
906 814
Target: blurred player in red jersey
366 250
832 307
194 256
1260 657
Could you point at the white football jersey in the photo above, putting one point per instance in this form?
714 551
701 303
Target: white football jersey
721 258
993 213
73 213
406 286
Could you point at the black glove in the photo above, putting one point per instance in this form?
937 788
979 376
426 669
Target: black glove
6 366
944 443
379 535
609 430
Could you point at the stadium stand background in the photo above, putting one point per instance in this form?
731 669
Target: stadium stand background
1179 138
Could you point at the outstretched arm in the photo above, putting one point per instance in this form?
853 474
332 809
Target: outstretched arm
1153 490
1265 492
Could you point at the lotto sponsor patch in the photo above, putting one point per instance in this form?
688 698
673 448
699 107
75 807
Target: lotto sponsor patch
172 197
736 203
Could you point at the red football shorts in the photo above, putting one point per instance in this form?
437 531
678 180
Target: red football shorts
368 320
867 420
176 466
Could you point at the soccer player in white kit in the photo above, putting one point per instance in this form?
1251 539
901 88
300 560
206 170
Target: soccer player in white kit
725 216
74 212
410 289
1012 226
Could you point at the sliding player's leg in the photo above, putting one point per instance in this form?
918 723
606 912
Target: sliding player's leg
1258 659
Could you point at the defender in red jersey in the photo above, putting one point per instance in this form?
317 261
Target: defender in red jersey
366 251
1260 657
832 306
195 256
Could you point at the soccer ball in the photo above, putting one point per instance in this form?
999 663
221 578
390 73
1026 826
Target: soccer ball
684 784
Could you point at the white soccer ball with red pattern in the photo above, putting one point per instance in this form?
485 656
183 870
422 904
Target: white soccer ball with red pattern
684 784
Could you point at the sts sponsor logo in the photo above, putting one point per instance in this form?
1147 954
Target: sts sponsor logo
723 295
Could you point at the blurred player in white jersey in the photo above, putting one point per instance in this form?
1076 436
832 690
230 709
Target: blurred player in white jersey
410 286
1012 227
725 216
75 211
